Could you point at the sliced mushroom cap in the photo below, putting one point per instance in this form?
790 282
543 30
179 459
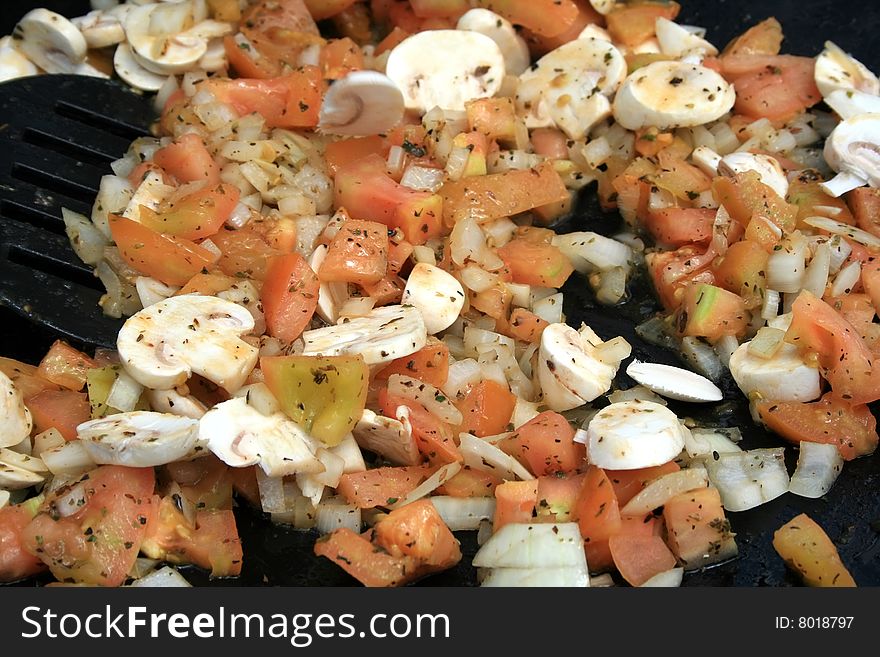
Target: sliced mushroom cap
172 402
767 168
835 69
388 437
674 382
513 47
139 439
241 436
437 294
100 29
445 69
50 41
157 34
678 41
851 150
361 103
15 418
13 62
162 345
634 434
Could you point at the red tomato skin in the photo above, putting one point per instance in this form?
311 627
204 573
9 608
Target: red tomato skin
289 296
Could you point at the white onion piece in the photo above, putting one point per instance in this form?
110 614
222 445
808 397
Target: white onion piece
636 392
467 243
423 179
124 393
68 459
440 477
846 279
708 442
87 241
749 479
770 306
334 513
272 499
464 513
520 545
703 358
4 498
71 500
816 277
334 466
786 267
565 576
433 399
668 579
588 251
462 375
661 490
480 455
818 466
166 577
840 250
839 228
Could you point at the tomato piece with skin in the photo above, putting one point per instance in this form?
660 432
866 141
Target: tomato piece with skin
680 226
98 544
244 253
711 312
627 483
188 160
545 444
544 17
325 395
65 366
809 551
633 24
597 507
639 558
381 486
865 205
515 502
290 101
339 57
15 561
357 556
434 437
429 364
343 152
289 296
852 428
207 284
698 532
557 497
416 530
358 253
541 45
172 260
804 192
63 410
745 197
469 482
486 409
26 377
774 87
542 265
525 325
195 216
742 270
871 280
672 271
845 360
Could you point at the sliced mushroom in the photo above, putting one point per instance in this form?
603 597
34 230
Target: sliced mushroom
361 103
139 439
852 150
158 38
15 418
849 103
767 168
437 294
174 403
13 477
162 345
388 437
571 87
13 62
678 41
241 436
674 382
634 434
513 47
835 69
100 29
445 69
50 41
784 377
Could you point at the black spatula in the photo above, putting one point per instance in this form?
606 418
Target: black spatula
58 135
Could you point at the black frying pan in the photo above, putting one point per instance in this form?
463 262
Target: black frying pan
850 513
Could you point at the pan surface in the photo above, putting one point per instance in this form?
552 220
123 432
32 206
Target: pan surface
850 513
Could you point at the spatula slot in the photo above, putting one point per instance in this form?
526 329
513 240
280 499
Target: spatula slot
31 216
54 268
96 120
54 183
61 146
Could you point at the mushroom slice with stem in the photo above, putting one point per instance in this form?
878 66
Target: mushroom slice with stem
853 150
513 47
139 439
157 34
128 68
162 345
50 41
15 418
241 436
445 69
100 29
13 62
361 103
390 438
634 434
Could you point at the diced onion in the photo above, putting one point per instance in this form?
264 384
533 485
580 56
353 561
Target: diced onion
464 513
818 466
334 513
71 500
467 243
166 577
786 267
658 492
124 393
749 479
357 307
770 305
334 466
700 442
840 250
440 477
396 161
766 342
87 241
668 578
597 152
480 455
816 276
423 179
271 492
839 228
725 346
477 279
429 396
702 357
549 308
588 251
846 279
68 459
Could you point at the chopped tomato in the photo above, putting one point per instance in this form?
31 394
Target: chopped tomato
777 87
65 366
396 36
196 215
399 251
844 358
381 486
290 101
206 481
416 530
525 325
439 8
628 483
544 17
542 265
672 271
496 119
339 57
27 378
15 561
639 558
429 364
486 409
850 427
597 508
345 151
187 159
366 191
470 483
172 260
742 270
558 496
711 312
207 284
545 444
541 45
98 544
321 9
289 296
697 530
765 38
434 438
358 253
865 204
64 410
633 24
804 192
680 226
325 395
502 194
871 281
357 556
244 253
493 302
387 291
745 197
679 177
808 550
515 502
